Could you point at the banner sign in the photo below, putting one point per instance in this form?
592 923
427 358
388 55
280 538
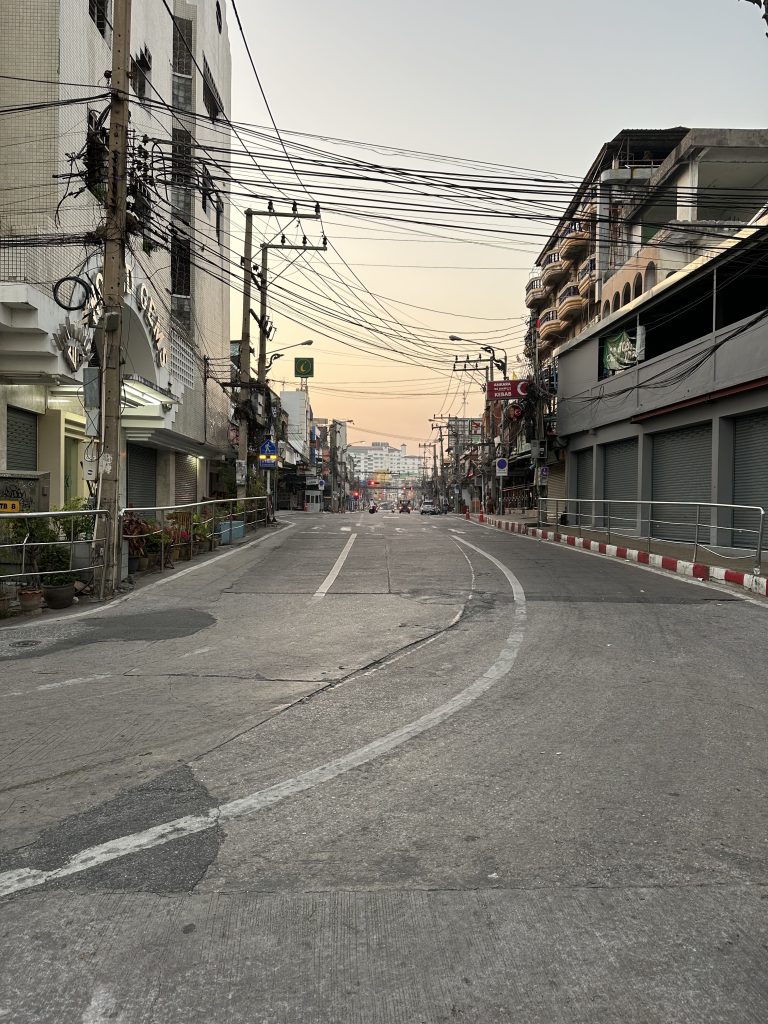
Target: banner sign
304 367
502 390
619 352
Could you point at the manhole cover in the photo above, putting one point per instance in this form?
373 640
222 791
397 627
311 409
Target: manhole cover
25 643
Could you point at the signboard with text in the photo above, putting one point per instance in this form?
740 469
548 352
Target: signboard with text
502 390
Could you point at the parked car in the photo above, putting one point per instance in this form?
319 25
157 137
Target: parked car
428 508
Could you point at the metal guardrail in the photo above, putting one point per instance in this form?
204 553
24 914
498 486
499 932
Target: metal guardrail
159 532
38 547
705 525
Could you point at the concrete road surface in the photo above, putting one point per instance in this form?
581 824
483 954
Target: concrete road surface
388 770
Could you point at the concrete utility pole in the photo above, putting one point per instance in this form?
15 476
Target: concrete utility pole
245 353
109 349
261 375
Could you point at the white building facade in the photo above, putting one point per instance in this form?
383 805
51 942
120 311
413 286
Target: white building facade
175 422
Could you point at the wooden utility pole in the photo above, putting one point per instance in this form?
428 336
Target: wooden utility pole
110 345
244 361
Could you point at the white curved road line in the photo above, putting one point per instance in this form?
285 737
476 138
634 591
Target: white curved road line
28 878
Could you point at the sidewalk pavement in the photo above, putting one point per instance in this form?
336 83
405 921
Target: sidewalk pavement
711 565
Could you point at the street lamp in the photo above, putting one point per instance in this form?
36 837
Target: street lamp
278 353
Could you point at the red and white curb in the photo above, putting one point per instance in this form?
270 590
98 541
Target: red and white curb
694 570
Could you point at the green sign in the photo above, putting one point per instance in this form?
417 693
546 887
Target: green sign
619 352
303 367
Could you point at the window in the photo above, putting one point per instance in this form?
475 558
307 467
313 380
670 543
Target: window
218 16
100 12
626 295
208 190
638 286
141 74
211 98
181 281
182 46
181 158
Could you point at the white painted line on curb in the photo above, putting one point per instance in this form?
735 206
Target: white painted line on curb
29 878
329 580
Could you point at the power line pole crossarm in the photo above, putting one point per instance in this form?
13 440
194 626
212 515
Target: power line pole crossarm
109 346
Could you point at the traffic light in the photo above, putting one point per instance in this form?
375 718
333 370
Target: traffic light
371 483
356 494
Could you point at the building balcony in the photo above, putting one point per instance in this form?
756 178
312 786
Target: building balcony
535 292
569 303
552 269
574 240
587 275
550 325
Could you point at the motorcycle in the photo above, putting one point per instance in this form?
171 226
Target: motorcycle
372 509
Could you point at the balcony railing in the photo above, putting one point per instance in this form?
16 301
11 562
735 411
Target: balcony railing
574 239
534 292
552 268
569 302
550 325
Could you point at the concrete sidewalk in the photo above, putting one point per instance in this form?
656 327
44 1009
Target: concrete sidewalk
708 564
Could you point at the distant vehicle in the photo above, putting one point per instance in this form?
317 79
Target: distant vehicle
428 508
405 507
372 507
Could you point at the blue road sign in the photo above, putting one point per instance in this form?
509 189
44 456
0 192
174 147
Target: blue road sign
268 448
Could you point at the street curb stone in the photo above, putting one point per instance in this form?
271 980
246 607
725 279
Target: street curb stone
693 570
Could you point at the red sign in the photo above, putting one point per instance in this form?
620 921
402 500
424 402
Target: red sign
500 390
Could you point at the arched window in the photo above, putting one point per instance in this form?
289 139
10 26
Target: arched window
650 276
626 295
616 302
637 290
606 310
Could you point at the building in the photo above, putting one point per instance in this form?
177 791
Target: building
381 457
661 365
175 421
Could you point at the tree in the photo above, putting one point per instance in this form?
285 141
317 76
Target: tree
763 4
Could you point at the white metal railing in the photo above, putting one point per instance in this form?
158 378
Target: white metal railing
52 548
705 525
161 532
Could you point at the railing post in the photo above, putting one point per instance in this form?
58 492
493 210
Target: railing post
162 540
696 535
608 519
759 544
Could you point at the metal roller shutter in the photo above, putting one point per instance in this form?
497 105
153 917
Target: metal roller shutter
142 476
186 479
584 484
682 471
620 481
21 445
750 474
556 481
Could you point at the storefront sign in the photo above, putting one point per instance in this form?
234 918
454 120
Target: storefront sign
9 506
139 292
75 344
500 390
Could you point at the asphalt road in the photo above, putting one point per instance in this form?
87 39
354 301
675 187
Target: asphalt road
387 770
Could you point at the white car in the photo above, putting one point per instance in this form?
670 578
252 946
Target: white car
428 507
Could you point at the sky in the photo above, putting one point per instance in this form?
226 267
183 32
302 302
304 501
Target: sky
528 85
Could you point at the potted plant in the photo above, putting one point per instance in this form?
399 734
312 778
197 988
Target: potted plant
77 529
201 534
135 531
32 536
57 580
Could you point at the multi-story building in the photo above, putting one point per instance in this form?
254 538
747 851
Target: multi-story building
381 457
657 319
174 420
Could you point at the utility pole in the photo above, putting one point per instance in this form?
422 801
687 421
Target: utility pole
109 350
261 375
245 355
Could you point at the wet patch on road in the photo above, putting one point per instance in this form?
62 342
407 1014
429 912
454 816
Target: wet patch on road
143 626
170 868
